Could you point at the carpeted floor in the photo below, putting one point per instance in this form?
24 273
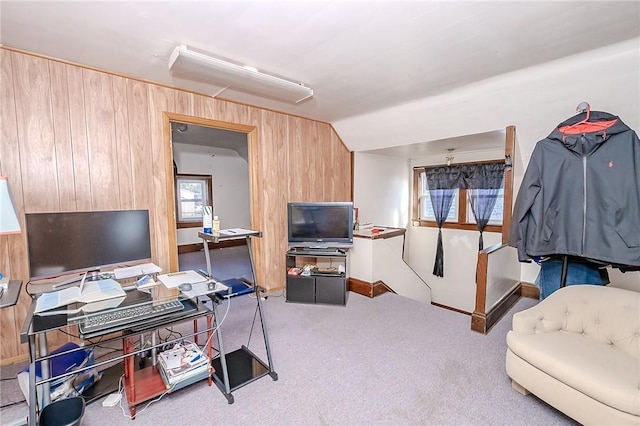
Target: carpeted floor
388 360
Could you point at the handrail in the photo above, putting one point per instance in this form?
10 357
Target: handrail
483 316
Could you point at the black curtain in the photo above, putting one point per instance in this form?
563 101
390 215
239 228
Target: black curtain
442 182
483 182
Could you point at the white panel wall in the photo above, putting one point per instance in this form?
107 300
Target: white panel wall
230 174
457 289
628 280
381 189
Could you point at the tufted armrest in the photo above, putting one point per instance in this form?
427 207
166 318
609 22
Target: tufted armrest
605 314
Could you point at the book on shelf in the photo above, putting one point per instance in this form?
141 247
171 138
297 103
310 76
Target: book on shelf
294 271
87 292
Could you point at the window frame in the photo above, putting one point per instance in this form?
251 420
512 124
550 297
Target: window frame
207 179
463 221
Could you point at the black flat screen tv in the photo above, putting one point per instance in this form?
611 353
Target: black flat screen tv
62 243
320 225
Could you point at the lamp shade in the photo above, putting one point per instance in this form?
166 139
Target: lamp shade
8 220
205 68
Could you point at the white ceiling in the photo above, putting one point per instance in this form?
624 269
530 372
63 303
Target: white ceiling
488 141
358 56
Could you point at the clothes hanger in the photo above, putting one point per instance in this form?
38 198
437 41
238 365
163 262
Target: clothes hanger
585 125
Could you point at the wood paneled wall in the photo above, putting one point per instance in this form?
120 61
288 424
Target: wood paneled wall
79 139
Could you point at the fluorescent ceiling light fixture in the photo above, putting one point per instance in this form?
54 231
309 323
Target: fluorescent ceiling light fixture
245 79
8 220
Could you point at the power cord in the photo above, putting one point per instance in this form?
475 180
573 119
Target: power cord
120 391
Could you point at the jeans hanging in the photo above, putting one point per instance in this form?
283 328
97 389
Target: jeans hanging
577 273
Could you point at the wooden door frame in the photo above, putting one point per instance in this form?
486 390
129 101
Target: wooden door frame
254 194
509 156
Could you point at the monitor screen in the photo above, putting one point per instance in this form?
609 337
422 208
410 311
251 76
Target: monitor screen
320 225
60 243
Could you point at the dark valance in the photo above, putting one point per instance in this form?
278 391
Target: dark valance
465 176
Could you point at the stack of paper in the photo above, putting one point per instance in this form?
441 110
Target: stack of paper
136 270
174 279
183 363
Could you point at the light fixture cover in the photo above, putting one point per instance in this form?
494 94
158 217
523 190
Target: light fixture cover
449 156
8 220
193 64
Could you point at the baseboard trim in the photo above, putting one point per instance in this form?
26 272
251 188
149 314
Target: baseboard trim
13 360
366 288
188 248
529 290
482 322
460 311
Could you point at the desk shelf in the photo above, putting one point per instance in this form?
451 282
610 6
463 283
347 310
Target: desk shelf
243 367
327 289
145 384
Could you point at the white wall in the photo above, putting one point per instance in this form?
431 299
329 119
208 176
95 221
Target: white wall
230 174
457 289
628 280
381 189
535 100
382 192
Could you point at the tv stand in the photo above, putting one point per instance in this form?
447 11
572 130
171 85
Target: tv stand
326 285
321 251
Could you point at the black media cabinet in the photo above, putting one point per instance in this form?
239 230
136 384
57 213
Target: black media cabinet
328 288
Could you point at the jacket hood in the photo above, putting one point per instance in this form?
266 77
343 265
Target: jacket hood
585 138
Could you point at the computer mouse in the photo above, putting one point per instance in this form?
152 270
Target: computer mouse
184 287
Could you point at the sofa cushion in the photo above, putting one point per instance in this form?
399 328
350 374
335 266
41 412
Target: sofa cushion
601 371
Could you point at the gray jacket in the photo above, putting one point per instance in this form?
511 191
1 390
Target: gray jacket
580 195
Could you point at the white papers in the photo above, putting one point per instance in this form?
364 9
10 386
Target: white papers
236 232
174 279
136 270
92 291
201 289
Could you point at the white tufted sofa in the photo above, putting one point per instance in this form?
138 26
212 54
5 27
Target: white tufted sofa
579 351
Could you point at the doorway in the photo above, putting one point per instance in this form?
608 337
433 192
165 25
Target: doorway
217 154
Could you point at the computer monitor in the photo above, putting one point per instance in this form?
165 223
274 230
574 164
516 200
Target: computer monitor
66 242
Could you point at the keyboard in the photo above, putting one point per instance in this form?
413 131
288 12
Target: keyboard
119 319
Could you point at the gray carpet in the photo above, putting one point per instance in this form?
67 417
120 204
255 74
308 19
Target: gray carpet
387 360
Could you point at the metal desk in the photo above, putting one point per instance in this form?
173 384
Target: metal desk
35 329
245 365
10 295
